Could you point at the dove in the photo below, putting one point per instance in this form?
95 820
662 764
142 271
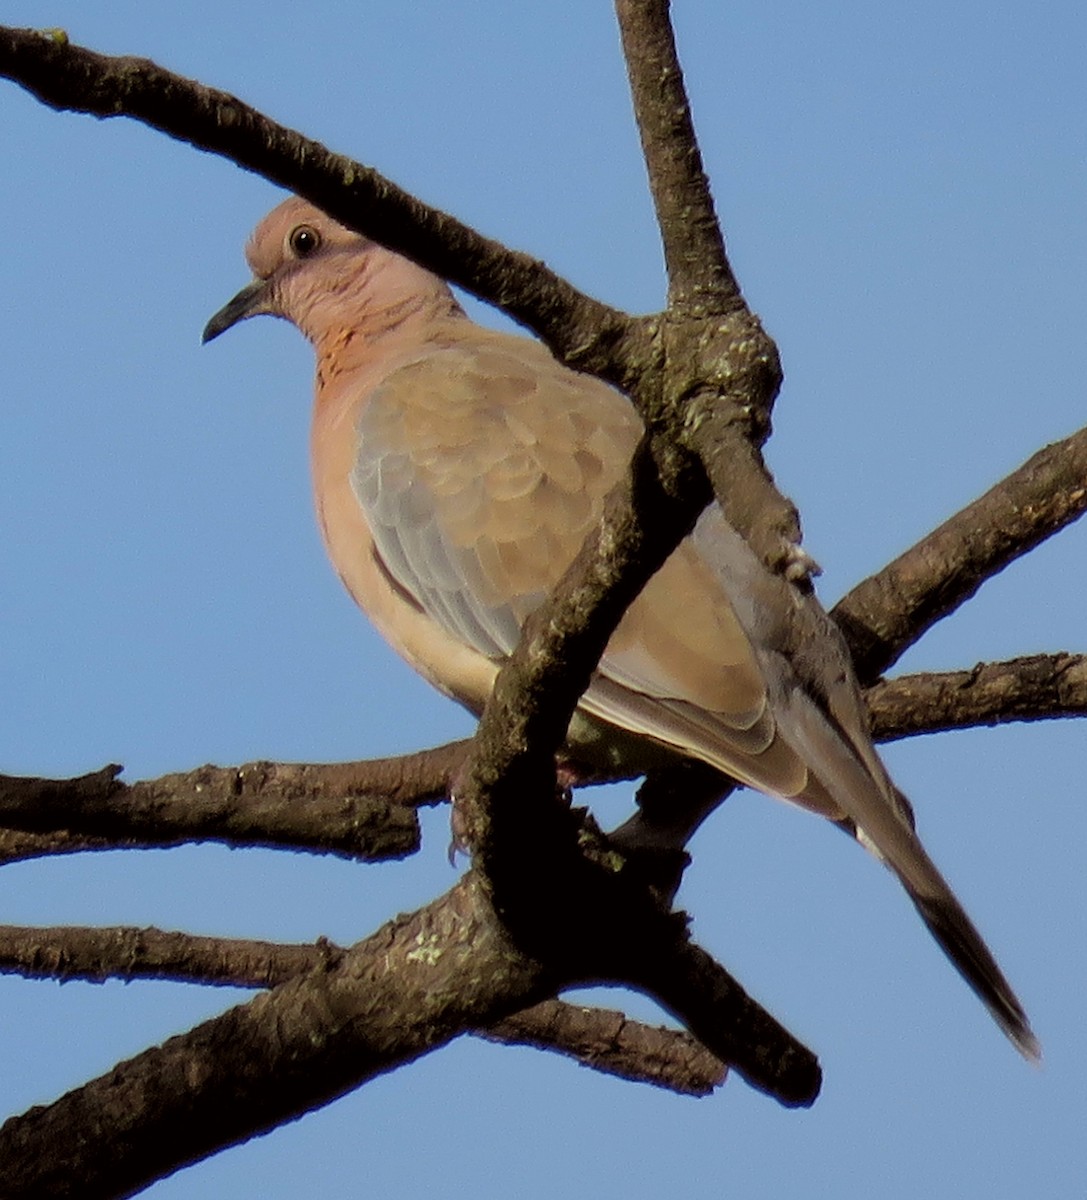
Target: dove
456 473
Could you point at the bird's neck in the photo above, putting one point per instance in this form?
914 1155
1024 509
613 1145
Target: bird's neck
359 349
378 310
365 329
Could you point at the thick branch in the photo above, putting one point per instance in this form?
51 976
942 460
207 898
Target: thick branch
17 846
883 616
416 983
68 77
686 981
1037 688
566 900
361 810
699 277
598 1038
600 925
419 981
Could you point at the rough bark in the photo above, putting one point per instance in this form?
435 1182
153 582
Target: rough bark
885 614
601 1039
1035 688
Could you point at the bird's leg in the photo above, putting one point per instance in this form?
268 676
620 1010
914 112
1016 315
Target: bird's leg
458 824
672 803
568 775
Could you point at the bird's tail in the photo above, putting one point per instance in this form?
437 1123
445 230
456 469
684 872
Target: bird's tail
961 942
954 931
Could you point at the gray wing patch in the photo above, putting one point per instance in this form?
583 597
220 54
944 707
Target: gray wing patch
443 579
434 462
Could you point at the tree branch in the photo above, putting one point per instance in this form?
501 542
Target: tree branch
730 360
17 846
601 1039
360 810
885 614
610 1042
412 986
415 984
700 279
1037 688
69 78
713 383
1032 688
721 370
65 952
602 924
687 982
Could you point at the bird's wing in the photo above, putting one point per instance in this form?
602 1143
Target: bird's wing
480 470
479 480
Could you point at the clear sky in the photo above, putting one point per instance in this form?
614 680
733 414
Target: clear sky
903 189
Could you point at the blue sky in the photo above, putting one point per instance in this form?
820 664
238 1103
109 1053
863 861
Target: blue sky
903 192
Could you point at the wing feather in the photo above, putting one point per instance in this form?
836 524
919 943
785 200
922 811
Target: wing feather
481 472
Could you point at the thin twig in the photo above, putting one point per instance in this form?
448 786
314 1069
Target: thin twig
65 952
885 614
610 1042
1037 688
700 279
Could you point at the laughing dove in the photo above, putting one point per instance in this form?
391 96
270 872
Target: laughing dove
457 471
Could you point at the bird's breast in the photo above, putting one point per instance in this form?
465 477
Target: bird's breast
453 668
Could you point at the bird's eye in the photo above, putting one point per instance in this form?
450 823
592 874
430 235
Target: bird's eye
304 241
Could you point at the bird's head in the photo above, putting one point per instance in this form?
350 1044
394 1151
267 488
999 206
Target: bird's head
320 275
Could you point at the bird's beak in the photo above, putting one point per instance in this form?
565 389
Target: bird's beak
252 300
